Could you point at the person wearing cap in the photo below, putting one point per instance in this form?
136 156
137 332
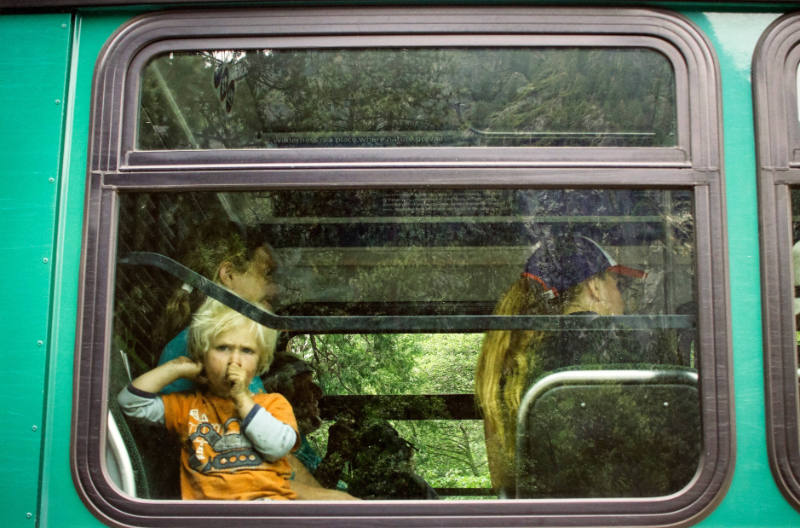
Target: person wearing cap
571 275
294 379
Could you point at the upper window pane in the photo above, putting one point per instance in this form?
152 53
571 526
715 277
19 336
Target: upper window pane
407 97
796 121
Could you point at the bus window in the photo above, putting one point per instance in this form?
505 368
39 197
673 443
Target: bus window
490 241
775 73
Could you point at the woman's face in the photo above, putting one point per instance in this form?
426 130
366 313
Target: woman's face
255 284
611 302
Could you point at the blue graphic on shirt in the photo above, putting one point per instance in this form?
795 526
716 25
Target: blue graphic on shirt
229 450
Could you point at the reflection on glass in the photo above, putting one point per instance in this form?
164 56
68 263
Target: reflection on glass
407 399
407 97
399 419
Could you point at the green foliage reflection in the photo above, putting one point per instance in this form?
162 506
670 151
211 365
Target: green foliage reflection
283 98
447 453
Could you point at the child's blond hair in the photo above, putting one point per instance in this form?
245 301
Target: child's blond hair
213 318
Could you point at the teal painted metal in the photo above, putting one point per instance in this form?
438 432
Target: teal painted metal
60 504
49 57
753 499
34 63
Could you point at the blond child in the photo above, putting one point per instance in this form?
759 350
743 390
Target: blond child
234 443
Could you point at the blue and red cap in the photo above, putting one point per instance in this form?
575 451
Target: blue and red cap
559 269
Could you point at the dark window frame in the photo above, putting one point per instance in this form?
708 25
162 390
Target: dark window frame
775 66
677 156
113 169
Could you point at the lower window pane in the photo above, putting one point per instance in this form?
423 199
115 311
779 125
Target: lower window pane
595 395
795 197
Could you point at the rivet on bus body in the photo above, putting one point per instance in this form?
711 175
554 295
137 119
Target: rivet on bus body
58 101
39 342
34 428
51 180
45 260
28 515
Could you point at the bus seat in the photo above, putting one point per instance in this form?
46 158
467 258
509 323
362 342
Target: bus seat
118 461
609 432
124 462
148 446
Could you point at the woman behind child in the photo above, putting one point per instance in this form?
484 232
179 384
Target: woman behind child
225 257
234 443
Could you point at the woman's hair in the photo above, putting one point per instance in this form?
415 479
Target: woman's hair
213 318
506 362
205 255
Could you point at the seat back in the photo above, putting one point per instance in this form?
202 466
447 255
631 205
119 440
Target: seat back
145 450
124 463
608 433
118 460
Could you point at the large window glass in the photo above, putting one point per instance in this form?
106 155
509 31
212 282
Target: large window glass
483 252
408 254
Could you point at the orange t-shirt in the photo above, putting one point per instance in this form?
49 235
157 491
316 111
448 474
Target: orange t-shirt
218 461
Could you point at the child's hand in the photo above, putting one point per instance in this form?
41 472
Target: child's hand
237 376
186 367
239 393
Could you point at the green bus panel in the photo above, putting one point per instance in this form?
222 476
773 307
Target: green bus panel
36 55
60 503
34 65
753 498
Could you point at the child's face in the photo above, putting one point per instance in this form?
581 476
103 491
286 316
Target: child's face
237 346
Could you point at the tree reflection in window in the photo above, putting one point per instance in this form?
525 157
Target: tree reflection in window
285 98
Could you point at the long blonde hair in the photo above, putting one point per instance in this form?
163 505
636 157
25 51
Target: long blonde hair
507 358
